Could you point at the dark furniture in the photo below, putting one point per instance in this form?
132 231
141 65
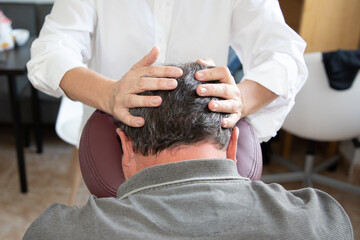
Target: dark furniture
30 16
17 95
13 64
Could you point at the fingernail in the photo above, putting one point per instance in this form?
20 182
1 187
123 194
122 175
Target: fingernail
224 123
203 60
202 90
172 83
138 122
200 75
215 106
179 72
154 101
176 71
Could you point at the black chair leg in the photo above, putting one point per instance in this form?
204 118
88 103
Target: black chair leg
37 118
26 136
15 108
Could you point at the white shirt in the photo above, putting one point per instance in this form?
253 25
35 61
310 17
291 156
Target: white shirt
109 36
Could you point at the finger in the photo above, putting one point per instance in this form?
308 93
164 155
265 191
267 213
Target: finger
230 121
226 91
148 59
130 120
159 71
225 106
150 84
221 74
134 101
206 61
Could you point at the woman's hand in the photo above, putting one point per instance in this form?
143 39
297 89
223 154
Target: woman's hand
226 89
143 76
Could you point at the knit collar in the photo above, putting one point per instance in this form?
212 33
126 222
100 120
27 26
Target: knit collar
179 172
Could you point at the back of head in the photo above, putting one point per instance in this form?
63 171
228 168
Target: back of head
183 118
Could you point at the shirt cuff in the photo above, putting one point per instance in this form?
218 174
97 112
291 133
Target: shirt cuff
46 74
275 73
267 121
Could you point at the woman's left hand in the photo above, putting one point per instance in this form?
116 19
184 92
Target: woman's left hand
226 89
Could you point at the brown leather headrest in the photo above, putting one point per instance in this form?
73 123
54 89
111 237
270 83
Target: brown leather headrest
100 155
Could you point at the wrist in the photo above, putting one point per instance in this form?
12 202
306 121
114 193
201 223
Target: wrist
243 110
107 99
87 86
254 97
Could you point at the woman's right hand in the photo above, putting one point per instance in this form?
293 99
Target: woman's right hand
143 76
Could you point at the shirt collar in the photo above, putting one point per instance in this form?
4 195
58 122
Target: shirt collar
184 171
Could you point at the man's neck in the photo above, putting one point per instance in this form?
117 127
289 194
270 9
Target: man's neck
180 153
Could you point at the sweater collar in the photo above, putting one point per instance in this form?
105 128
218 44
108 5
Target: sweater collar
178 172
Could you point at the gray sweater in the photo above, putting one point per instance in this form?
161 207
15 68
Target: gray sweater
197 199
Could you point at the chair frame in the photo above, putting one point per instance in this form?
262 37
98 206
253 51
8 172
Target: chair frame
310 123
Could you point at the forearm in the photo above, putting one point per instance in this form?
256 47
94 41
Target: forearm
87 86
117 97
254 96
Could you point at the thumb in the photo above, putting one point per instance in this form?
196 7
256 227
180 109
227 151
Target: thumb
148 59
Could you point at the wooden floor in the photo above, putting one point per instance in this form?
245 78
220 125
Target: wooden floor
49 182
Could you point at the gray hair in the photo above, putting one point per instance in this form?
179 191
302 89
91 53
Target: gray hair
183 118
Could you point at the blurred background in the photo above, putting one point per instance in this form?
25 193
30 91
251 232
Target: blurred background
36 162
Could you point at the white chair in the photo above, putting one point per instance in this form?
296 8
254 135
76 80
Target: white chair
67 127
321 114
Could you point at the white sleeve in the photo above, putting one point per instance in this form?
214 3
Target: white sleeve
64 43
272 55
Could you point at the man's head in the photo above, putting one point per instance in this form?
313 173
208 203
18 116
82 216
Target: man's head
183 119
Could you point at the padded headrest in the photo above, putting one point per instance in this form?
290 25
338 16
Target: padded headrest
100 155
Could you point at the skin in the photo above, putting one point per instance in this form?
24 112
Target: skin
241 100
133 162
117 97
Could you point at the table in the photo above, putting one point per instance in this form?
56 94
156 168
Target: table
13 64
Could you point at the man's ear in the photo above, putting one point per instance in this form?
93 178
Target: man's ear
232 147
128 158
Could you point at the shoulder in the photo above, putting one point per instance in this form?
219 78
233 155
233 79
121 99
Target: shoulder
56 220
306 210
325 213
59 221
49 222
